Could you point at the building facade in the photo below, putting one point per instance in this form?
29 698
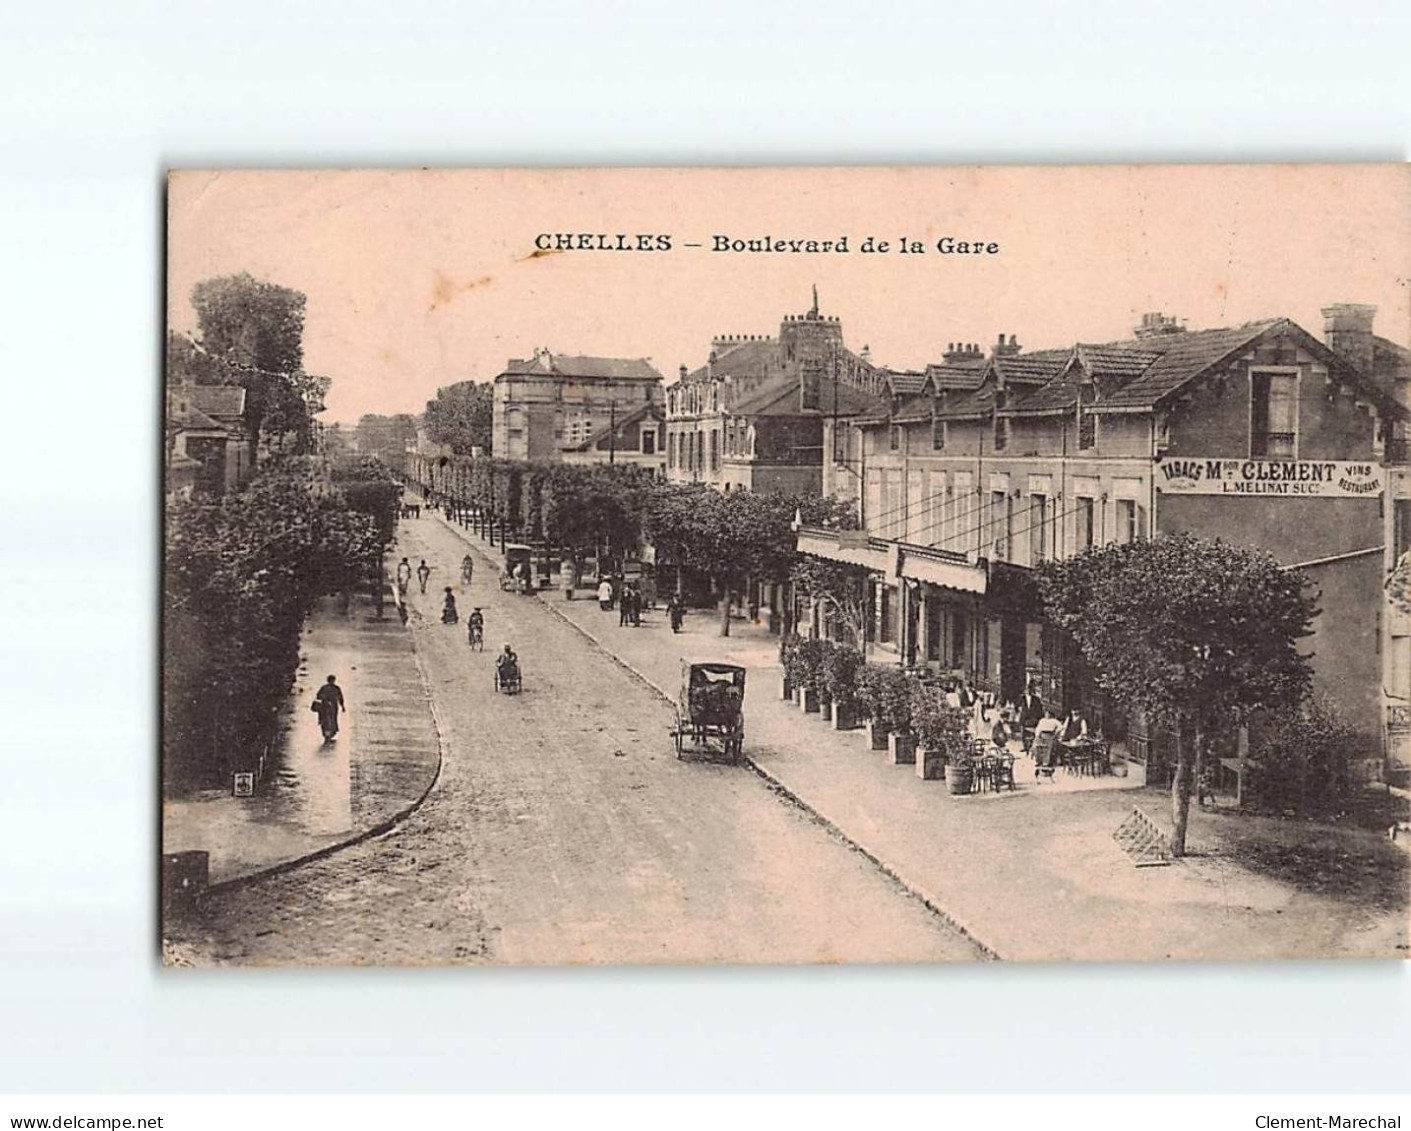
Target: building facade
1260 435
753 417
551 404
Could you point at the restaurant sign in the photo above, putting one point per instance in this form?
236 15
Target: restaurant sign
1299 478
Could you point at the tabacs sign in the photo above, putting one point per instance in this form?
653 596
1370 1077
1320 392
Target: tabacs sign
1288 478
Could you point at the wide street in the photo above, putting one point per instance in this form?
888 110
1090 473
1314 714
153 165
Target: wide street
563 830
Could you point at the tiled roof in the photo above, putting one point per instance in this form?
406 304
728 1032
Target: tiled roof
183 416
1180 358
966 375
979 403
904 382
1039 366
1054 397
751 358
780 397
562 365
217 400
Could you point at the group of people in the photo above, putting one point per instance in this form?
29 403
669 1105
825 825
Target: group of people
1018 722
404 575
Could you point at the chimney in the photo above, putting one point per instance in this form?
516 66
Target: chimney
1347 329
1157 325
1005 349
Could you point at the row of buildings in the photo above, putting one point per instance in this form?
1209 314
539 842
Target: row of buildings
972 470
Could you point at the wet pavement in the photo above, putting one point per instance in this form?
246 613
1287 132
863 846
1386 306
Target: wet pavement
318 794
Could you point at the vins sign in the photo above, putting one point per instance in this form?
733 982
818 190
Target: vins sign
1290 478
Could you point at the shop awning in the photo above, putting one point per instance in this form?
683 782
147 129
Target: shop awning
951 575
844 546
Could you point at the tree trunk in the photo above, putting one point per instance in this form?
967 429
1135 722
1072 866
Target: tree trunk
1180 794
725 612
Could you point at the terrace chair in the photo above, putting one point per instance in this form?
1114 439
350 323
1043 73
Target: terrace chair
1003 773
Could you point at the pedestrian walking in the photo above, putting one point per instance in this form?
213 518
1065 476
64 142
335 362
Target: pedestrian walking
675 611
624 608
605 594
423 572
327 703
448 609
636 607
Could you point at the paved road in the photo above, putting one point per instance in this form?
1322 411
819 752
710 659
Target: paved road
564 831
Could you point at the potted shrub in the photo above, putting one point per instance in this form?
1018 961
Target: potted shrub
841 671
896 710
809 665
788 655
870 695
940 733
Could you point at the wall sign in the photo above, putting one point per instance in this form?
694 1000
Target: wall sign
1287 478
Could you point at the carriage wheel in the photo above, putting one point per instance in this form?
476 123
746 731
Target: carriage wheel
680 737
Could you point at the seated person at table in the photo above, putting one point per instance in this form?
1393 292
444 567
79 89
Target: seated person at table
1075 728
999 732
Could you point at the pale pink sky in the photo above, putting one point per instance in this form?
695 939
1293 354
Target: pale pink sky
416 279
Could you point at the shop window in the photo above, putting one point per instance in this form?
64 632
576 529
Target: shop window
1273 415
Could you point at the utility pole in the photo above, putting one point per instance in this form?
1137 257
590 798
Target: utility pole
612 430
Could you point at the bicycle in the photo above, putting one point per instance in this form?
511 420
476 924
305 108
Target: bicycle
477 638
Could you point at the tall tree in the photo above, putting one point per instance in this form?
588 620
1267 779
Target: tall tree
255 330
1196 635
461 416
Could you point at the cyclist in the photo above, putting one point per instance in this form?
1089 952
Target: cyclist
423 571
467 568
476 627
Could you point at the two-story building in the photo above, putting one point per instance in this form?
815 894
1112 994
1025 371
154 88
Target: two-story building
556 407
753 417
208 449
1259 434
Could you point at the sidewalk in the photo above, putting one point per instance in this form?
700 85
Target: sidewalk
1032 875
319 796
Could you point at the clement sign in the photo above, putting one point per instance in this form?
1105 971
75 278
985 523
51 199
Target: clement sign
1302 478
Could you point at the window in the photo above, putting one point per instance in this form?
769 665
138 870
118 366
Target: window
1273 414
1038 528
1086 523
715 449
894 437
1001 433
938 435
1127 520
1087 429
1002 522
649 441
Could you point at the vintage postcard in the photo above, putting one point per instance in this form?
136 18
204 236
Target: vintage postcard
787 565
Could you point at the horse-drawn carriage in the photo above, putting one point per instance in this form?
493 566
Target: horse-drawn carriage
710 709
